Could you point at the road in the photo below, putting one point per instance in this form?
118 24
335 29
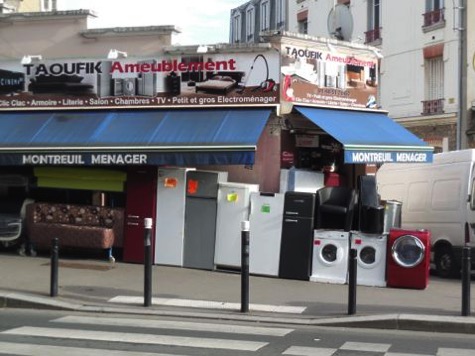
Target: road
53 333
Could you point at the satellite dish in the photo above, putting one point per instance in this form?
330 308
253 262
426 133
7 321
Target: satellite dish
340 22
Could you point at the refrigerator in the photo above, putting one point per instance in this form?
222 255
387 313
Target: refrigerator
297 236
233 208
267 211
170 219
200 218
300 180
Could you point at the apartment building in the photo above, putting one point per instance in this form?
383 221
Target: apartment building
420 69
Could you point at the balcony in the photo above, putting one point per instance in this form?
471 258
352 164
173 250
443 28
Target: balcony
373 36
431 107
434 19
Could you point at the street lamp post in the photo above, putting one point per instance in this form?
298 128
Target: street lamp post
462 67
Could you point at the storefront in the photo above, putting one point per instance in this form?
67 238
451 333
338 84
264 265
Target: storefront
94 131
224 109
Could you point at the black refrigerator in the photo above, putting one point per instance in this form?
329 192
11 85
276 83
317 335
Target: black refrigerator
297 236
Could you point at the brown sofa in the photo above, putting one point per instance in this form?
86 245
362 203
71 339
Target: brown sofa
85 226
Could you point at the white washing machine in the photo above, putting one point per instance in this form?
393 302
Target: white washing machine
371 258
330 256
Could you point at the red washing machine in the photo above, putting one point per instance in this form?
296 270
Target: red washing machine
408 258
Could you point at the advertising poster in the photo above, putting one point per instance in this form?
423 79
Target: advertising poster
328 76
196 80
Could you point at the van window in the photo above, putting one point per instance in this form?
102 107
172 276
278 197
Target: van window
472 196
446 195
416 196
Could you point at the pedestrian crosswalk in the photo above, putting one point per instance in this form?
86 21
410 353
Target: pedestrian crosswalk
207 304
75 335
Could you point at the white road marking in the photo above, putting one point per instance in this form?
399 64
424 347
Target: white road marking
207 304
365 346
309 351
175 325
11 348
402 354
136 338
454 352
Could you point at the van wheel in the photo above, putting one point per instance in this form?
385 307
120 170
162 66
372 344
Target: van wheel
445 263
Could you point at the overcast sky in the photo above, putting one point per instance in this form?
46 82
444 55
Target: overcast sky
200 21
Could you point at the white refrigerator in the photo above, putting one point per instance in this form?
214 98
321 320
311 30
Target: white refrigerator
170 220
267 212
233 208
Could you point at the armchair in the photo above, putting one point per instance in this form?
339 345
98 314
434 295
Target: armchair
370 211
335 208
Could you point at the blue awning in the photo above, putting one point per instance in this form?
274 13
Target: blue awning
370 137
156 137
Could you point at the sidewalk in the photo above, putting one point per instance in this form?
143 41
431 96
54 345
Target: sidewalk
93 285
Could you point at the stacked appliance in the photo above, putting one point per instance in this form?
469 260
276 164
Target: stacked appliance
104 80
297 236
300 180
200 218
147 82
330 256
170 220
371 258
408 258
233 207
265 218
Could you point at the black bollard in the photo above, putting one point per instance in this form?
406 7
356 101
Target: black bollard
466 276
148 262
352 282
245 266
54 267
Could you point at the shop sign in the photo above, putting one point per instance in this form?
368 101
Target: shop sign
288 157
337 78
84 159
199 80
307 140
378 157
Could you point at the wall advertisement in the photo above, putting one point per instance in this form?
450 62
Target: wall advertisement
323 75
197 80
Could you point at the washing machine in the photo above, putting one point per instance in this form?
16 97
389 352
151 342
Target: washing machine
371 258
408 258
330 256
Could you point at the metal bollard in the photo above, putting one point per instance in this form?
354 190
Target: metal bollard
466 276
352 281
54 267
148 262
245 266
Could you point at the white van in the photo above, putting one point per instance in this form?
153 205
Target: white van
439 197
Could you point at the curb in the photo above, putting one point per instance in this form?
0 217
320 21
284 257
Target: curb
411 322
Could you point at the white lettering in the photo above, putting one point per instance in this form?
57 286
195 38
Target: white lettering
53 159
119 159
411 157
371 157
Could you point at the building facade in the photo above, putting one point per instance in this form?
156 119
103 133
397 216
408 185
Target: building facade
420 68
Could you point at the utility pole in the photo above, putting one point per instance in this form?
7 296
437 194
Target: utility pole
462 67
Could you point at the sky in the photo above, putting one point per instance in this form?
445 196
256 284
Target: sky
200 21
